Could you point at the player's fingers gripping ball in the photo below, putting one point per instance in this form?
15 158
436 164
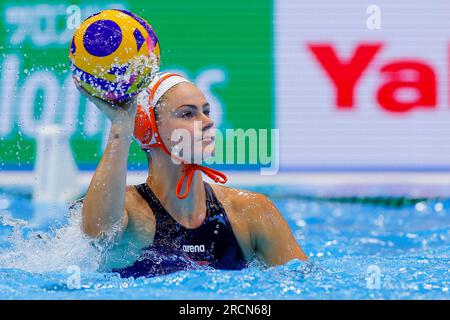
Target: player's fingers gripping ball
114 55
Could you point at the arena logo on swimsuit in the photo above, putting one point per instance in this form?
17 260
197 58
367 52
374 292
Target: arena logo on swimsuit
194 248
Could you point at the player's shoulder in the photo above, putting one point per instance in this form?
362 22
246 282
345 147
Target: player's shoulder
132 196
134 202
240 200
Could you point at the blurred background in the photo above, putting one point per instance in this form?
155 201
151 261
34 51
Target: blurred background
358 91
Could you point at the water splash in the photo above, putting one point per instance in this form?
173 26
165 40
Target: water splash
61 247
409 245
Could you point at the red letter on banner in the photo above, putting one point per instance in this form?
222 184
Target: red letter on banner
345 74
408 74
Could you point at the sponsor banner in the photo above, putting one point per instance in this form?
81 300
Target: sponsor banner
224 47
362 86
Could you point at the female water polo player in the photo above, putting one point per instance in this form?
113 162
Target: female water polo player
158 228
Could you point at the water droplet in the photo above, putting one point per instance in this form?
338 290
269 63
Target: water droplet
421 206
438 207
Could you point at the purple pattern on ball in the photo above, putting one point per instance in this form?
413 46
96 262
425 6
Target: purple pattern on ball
111 90
73 47
102 38
153 37
139 38
143 23
118 71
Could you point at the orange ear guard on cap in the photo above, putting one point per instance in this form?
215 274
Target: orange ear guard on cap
146 133
145 128
142 127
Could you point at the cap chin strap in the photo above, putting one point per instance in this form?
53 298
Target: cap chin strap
188 169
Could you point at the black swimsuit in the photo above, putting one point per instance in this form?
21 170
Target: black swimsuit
177 248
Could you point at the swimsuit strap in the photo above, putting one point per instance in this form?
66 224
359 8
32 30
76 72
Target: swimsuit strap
213 204
156 206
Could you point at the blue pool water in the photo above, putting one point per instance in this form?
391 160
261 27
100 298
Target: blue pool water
358 250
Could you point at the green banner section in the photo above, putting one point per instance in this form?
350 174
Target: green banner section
225 47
